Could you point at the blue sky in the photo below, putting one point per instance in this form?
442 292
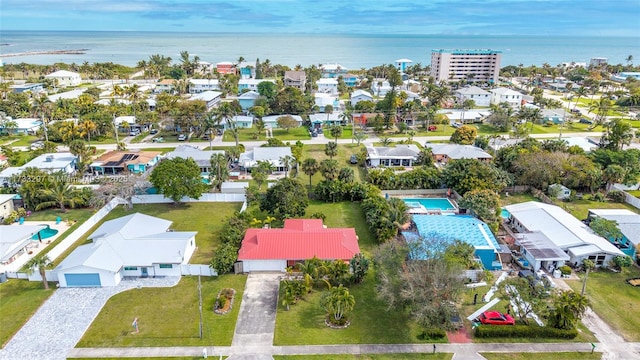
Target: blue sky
457 17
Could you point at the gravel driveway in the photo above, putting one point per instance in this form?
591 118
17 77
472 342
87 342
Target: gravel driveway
62 320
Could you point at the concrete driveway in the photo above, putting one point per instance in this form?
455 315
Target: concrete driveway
257 318
62 320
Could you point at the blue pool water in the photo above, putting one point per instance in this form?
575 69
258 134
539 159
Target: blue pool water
431 203
45 233
505 214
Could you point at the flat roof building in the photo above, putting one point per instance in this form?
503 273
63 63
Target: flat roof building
479 65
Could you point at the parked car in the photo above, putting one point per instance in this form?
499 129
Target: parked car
576 111
353 159
205 137
456 125
585 121
153 131
432 128
496 318
314 134
182 137
134 132
219 132
36 145
158 140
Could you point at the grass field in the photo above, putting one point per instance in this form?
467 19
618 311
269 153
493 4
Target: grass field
371 323
167 316
18 140
299 133
580 207
205 218
542 356
19 300
404 356
346 214
345 151
614 300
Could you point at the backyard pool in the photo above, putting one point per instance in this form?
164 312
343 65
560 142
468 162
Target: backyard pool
45 233
430 204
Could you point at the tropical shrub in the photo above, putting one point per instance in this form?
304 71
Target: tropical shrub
524 331
565 270
432 334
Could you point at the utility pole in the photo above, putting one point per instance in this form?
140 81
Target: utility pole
200 303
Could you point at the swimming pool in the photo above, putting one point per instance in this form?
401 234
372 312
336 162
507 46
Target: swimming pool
45 233
442 204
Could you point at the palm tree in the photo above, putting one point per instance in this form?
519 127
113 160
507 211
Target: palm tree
226 112
329 169
287 162
60 193
86 128
337 302
569 307
219 170
331 149
336 132
40 262
209 123
581 91
600 108
42 106
310 167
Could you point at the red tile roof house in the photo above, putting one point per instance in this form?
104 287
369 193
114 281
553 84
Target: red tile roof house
299 240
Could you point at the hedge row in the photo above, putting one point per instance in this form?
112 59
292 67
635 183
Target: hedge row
520 331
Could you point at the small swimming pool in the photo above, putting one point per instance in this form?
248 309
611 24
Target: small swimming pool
45 233
505 214
442 204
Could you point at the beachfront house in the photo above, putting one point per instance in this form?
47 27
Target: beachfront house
246 70
403 64
350 80
197 86
271 249
360 95
64 78
296 79
226 67
135 245
332 70
479 96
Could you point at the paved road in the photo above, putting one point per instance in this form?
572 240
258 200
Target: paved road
62 320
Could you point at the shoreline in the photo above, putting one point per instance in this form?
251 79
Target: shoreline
46 52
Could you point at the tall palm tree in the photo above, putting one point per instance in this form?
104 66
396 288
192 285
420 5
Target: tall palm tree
41 263
42 107
226 112
287 162
87 127
310 167
331 149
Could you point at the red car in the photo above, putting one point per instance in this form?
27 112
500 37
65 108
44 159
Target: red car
496 318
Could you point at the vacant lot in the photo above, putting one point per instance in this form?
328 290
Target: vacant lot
316 151
19 300
167 316
614 300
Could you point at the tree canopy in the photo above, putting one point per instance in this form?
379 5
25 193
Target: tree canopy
286 199
177 178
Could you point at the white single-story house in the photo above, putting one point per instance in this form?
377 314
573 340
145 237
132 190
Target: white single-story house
201 157
15 240
360 95
299 240
26 126
506 95
479 96
465 117
211 98
562 231
560 191
65 78
197 86
271 121
135 245
49 163
400 155
556 116
241 122
249 159
443 153
328 85
6 205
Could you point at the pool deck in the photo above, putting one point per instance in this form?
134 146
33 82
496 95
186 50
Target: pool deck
35 247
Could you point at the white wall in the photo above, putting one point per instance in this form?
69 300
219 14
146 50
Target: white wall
207 197
157 271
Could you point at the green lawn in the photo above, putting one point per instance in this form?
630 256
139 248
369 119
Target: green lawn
371 323
407 356
441 130
19 300
516 198
18 140
580 207
299 133
153 358
346 214
345 151
542 356
635 193
167 316
163 150
614 300
205 218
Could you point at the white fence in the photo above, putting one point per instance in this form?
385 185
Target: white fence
629 199
207 197
82 229
195 269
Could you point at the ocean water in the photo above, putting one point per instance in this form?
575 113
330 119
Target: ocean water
350 51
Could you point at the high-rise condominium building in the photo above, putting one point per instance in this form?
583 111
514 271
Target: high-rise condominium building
472 65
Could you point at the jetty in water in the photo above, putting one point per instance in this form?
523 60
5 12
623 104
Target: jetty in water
46 52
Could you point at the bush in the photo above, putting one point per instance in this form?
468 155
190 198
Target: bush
599 196
565 270
617 196
432 334
221 301
522 331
